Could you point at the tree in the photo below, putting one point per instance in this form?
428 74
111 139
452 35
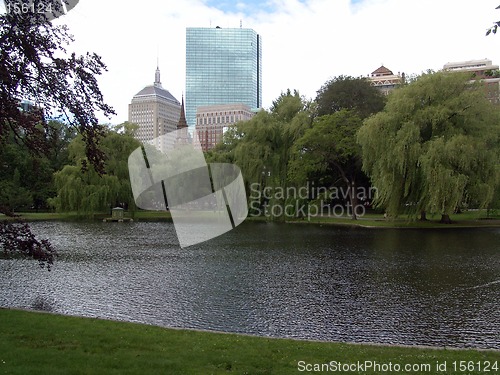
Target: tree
33 68
36 68
329 147
26 179
328 150
261 147
82 189
344 92
433 147
16 238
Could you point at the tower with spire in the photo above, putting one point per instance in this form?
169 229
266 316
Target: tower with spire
183 135
155 110
182 119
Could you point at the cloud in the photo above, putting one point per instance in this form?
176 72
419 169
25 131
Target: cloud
304 42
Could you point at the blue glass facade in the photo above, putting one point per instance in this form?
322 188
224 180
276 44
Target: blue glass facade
223 66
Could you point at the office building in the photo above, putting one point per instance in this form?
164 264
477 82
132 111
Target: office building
155 110
223 66
213 120
482 70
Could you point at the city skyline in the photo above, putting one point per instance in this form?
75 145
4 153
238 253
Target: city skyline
305 42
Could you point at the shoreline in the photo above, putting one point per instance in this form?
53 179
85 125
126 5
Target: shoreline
256 336
49 343
460 221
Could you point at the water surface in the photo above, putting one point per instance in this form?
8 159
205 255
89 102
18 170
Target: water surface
426 287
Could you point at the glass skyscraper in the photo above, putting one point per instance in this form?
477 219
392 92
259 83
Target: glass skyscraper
223 66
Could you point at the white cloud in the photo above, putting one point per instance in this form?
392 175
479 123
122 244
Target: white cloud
304 43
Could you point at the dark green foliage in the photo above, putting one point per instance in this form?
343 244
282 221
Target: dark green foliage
26 179
344 92
329 148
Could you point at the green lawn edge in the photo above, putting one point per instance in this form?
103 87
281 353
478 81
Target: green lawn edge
45 343
471 219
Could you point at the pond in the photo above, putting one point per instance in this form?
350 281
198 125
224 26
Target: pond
414 287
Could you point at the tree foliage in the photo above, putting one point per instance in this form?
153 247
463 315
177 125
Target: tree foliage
329 148
261 147
16 238
434 147
35 66
345 92
26 179
83 189
328 151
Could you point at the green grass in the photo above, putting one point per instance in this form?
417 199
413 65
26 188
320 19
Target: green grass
40 343
73 216
466 219
469 219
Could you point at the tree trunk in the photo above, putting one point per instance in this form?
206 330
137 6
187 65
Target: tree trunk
354 199
445 219
423 216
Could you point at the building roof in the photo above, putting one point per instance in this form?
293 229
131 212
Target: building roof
470 65
155 90
382 71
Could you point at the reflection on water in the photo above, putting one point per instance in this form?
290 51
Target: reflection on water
424 287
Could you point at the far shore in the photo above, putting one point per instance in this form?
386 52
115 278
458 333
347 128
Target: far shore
467 219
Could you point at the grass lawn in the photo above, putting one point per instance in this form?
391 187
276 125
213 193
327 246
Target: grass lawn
469 219
70 216
41 343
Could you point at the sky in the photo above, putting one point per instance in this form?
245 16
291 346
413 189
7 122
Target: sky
305 42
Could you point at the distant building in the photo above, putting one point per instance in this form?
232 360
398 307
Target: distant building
155 110
385 80
212 121
223 66
483 70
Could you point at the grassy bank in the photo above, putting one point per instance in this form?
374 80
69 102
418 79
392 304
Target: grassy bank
73 216
378 221
470 219
40 343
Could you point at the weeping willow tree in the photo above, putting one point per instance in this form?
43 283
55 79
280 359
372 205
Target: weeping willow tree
261 147
434 148
80 188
